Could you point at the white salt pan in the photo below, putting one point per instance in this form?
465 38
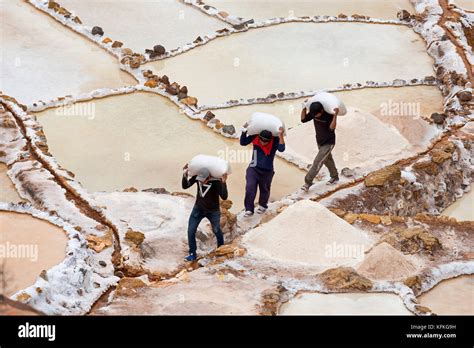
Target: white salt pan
41 59
362 140
143 24
345 304
28 246
256 63
264 9
451 297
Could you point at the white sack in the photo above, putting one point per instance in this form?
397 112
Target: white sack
260 121
329 102
217 166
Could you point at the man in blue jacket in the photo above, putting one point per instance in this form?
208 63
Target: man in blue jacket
260 171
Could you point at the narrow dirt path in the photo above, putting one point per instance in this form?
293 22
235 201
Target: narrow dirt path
448 15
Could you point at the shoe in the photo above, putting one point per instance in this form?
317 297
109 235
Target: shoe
333 181
191 257
248 213
305 187
261 210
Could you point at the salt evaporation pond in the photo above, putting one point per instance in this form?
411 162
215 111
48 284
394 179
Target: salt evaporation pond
264 9
8 192
353 147
463 208
345 304
141 140
29 246
399 107
41 59
465 4
451 297
255 63
143 24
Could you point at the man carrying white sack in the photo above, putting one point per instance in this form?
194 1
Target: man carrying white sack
325 125
260 171
207 206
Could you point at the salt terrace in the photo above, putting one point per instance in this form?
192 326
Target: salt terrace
104 102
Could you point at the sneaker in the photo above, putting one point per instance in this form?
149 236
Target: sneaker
305 187
191 257
261 210
248 213
333 181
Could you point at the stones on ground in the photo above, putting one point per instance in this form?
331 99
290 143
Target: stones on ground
347 172
412 240
414 283
345 278
218 124
130 189
106 40
380 177
127 51
151 83
190 101
228 129
465 96
129 286
159 49
373 219
427 167
439 156
403 15
97 31
99 243
173 89
438 118
209 116
183 92
134 237
117 44
148 73
228 220
430 79
165 80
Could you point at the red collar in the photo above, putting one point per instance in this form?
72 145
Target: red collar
265 148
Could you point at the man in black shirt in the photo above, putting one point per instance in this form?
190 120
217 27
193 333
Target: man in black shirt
325 125
207 206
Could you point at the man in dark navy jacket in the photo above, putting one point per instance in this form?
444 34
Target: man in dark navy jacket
260 171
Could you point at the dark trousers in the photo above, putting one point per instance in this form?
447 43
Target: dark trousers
195 218
257 178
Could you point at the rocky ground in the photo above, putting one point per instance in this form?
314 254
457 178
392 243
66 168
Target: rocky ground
378 231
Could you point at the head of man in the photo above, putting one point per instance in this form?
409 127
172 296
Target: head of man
203 176
264 137
316 109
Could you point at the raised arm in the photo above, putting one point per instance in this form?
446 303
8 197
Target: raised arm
334 119
185 182
223 189
304 116
281 140
244 139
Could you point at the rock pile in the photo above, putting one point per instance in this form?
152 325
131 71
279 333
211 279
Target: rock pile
412 240
344 279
